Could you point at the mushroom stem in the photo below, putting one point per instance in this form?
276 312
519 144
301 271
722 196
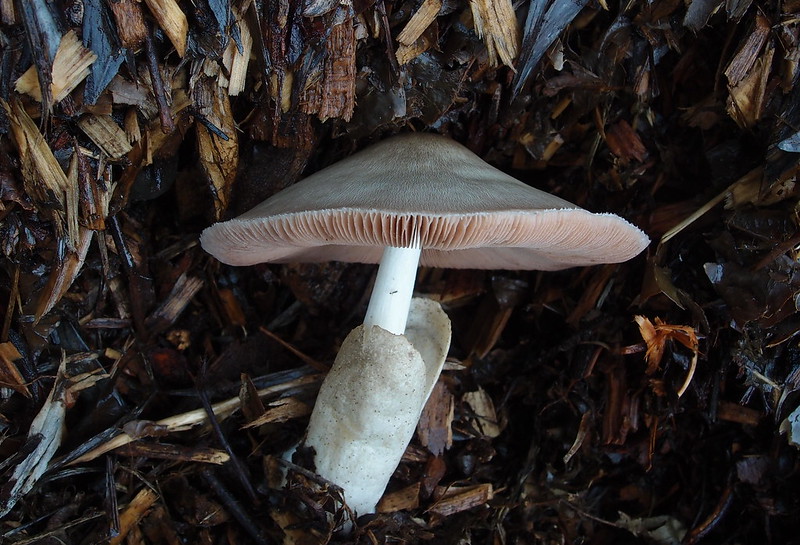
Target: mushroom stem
394 287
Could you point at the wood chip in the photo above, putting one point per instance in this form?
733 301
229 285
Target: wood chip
455 499
131 27
407 53
281 411
218 151
179 297
172 21
160 451
44 179
63 275
104 131
133 513
496 22
188 420
748 54
624 142
435 428
44 437
405 498
419 22
335 95
70 67
746 99
484 417
235 61
10 377
231 308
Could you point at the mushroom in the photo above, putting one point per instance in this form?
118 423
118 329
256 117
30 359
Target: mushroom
419 198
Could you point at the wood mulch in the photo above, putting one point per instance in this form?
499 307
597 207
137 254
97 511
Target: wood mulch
147 392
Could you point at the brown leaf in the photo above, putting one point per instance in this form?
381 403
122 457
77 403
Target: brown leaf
656 335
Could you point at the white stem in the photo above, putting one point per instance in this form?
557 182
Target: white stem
394 286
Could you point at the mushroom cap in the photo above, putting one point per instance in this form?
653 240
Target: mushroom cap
467 213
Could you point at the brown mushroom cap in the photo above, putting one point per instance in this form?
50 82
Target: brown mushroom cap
468 215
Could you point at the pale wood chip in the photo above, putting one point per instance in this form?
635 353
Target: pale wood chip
485 417
496 22
219 156
104 131
419 22
455 499
43 177
235 61
70 68
172 20
188 420
133 513
281 411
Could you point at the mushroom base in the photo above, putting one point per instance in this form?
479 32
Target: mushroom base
370 402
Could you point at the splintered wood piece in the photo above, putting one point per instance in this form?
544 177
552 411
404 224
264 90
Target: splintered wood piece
236 61
218 148
748 54
334 96
419 22
484 417
131 27
172 21
133 513
95 189
188 420
281 411
104 131
496 23
10 377
405 498
62 277
138 94
160 451
407 53
70 67
455 499
746 99
43 177
132 130
44 437
179 297
435 428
